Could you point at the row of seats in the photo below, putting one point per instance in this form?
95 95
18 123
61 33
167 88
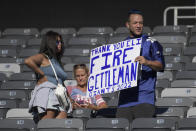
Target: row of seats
100 124
183 68
9 32
97 40
180 29
162 33
173 47
171 73
172 54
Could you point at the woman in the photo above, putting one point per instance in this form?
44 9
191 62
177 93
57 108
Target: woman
43 100
78 92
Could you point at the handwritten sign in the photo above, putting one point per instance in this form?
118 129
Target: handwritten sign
113 67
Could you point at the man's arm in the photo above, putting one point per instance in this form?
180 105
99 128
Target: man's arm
155 65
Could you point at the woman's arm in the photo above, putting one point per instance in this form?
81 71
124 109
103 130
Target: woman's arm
95 107
34 63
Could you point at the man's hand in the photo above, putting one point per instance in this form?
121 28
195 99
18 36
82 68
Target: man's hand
142 60
155 65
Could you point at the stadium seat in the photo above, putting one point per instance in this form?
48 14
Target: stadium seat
9 103
194 59
171 50
27 52
66 60
107 124
9 68
186 124
190 51
86 42
170 30
13 94
12 43
70 82
3 78
177 59
24 103
153 124
8 60
21 33
175 102
82 113
171 112
174 66
23 76
160 85
69 67
60 125
116 39
70 75
190 67
179 92
193 31
81 59
147 30
191 113
183 84
164 83
19 113
65 32
6 52
17 125
165 75
180 40
123 31
184 75
192 41
95 31
34 43
3 112
25 85
25 68
6 104
77 52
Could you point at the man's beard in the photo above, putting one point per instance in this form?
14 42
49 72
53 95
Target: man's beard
135 35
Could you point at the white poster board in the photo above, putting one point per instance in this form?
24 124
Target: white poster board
113 67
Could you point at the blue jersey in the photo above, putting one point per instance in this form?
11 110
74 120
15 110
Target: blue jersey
145 91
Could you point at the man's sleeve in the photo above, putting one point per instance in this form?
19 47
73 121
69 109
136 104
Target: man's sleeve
157 52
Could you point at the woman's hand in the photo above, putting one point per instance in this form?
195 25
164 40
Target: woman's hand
42 79
89 106
76 105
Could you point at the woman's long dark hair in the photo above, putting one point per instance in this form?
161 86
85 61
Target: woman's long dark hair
48 45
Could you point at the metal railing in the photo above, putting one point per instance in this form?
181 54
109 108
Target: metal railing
176 16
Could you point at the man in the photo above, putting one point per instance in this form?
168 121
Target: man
139 101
